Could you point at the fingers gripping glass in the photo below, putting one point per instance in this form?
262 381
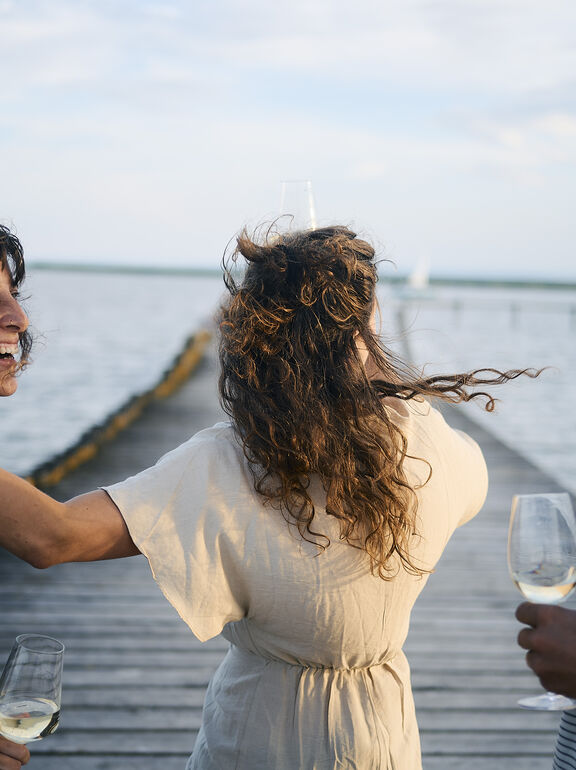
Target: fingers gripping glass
30 688
542 562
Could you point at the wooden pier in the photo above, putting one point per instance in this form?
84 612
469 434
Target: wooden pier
135 676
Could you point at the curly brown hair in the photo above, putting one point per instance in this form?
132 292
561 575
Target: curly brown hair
301 399
12 260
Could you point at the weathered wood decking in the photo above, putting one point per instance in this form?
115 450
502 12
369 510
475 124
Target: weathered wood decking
135 676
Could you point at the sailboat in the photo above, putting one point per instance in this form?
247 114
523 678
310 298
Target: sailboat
419 278
417 286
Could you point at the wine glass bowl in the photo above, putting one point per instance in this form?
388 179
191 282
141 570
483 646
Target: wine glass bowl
542 562
297 207
30 688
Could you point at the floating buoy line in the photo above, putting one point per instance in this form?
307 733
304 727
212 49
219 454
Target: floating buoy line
52 471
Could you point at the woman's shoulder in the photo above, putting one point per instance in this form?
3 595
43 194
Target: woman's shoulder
428 425
414 416
219 432
211 448
455 458
218 435
213 440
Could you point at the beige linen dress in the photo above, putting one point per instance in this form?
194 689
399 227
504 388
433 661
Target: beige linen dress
315 677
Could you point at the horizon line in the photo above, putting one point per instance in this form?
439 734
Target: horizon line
205 271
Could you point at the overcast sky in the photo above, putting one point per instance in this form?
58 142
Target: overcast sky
145 132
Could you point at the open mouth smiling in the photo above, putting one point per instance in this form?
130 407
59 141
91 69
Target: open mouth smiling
8 352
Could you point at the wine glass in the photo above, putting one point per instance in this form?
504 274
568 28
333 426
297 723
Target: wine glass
542 562
30 688
297 208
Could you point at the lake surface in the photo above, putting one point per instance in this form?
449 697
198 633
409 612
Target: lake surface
455 329
103 337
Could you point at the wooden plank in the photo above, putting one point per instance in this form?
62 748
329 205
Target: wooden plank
517 743
198 676
132 696
142 717
504 762
504 720
84 742
491 700
111 762
182 716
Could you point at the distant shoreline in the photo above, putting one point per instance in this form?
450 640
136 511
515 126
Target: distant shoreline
77 267
214 272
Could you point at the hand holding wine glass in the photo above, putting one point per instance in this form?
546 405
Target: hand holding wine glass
542 562
30 688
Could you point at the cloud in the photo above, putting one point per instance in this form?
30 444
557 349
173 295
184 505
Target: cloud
558 126
163 10
166 120
503 45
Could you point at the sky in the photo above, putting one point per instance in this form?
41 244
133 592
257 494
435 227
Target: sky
143 132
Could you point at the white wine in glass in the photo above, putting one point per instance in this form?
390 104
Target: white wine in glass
542 562
30 688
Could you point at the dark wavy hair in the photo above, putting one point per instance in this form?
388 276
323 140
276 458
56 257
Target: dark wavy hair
303 402
12 261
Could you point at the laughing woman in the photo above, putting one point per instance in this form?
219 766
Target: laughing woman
14 350
304 528
14 339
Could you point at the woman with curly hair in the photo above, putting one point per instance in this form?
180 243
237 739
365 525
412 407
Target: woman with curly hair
305 527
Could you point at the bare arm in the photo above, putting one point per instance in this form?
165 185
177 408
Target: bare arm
551 645
44 532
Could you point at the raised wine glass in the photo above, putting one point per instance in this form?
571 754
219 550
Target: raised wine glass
542 562
30 688
297 208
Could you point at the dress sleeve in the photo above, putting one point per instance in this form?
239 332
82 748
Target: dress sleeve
457 458
471 482
464 467
179 514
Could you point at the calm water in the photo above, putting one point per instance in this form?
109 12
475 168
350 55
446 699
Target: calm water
108 336
458 329
102 337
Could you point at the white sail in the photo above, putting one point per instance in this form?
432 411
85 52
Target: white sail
419 278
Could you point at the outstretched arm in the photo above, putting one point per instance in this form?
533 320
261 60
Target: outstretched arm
551 645
44 532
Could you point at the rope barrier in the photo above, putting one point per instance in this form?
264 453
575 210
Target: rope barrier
52 471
